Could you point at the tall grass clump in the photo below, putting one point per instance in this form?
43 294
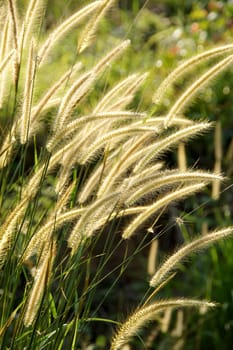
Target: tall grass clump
79 171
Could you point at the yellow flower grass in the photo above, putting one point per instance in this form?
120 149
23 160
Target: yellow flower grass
198 84
41 280
143 315
111 152
158 204
187 66
202 242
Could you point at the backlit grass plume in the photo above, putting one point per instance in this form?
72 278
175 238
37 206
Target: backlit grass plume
77 162
147 314
194 246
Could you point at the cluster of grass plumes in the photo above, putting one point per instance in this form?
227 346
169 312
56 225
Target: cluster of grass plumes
96 167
